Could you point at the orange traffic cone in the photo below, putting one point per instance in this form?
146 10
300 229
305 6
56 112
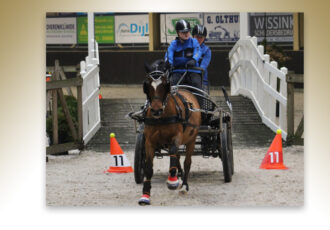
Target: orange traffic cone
119 161
274 156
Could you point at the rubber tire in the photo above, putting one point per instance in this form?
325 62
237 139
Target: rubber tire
230 147
226 165
139 158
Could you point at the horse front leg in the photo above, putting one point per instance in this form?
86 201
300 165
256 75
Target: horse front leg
148 172
172 180
187 163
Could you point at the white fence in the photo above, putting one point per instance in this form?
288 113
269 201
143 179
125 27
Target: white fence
89 71
252 75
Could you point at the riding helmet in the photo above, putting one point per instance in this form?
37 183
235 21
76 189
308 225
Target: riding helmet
182 26
199 30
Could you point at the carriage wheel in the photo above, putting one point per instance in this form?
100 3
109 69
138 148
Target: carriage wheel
230 147
139 158
225 152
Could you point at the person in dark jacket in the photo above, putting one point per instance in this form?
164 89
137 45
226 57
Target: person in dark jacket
183 53
199 32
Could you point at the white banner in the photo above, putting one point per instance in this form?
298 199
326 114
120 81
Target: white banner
222 27
61 31
168 21
132 29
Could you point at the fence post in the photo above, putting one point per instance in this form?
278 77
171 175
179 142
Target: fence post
283 108
54 105
80 116
55 121
272 101
290 106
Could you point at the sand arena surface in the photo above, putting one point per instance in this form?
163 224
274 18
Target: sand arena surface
79 180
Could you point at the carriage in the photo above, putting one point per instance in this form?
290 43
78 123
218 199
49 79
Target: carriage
214 138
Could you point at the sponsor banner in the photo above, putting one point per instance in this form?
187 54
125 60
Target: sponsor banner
103 29
222 27
168 21
275 27
61 31
132 28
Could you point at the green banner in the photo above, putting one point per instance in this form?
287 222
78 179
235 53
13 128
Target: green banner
103 28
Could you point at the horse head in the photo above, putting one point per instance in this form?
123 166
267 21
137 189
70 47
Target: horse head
156 87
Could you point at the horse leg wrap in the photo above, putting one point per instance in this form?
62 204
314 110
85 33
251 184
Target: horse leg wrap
172 180
173 150
173 165
146 187
148 174
173 160
145 198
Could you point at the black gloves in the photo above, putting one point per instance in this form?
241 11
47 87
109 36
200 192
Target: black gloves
191 63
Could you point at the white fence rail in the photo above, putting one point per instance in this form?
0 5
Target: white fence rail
253 76
89 71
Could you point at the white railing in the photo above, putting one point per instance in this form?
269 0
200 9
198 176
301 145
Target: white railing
253 76
89 71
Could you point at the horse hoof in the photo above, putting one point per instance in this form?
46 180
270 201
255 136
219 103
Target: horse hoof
144 200
172 182
183 190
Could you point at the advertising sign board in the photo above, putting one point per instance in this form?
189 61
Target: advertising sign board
275 27
103 29
61 31
132 28
222 27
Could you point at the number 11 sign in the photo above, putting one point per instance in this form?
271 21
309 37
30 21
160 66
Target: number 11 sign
274 156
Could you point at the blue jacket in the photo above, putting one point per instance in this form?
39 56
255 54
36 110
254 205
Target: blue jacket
178 54
204 61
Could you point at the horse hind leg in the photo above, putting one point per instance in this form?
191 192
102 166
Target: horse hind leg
172 180
180 172
187 163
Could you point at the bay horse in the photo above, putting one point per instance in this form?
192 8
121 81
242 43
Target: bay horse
168 122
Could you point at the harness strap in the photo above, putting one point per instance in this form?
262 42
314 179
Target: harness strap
187 114
178 109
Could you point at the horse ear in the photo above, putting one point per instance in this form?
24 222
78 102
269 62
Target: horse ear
147 67
145 87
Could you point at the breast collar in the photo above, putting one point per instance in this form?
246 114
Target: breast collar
173 119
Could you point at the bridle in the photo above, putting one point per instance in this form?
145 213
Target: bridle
159 74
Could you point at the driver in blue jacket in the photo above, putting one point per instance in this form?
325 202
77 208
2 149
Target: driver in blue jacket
199 32
183 53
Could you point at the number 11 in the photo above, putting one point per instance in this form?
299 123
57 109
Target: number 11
122 160
272 157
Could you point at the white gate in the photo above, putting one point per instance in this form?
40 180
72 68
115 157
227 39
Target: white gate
89 71
252 75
